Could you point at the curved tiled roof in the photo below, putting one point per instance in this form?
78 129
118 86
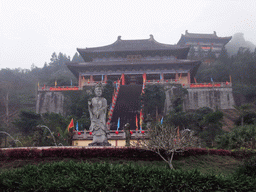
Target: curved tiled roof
133 45
198 36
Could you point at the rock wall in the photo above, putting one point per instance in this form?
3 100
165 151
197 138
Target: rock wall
51 102
215 98
221 98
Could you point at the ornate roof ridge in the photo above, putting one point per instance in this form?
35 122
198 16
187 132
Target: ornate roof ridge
132 45
204 35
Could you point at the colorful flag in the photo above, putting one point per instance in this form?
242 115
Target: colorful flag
162 120
161 77
102 78
55 83
77 125
136 122
118 123
113 97
141 119
144 77
211 79
71 124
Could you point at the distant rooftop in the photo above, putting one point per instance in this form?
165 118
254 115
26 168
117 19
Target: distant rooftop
196 36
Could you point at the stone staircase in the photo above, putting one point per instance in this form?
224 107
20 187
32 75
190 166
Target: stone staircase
127 106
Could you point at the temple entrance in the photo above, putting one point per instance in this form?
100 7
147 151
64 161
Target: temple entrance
127 106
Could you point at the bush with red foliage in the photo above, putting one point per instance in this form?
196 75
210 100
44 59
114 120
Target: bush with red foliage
129 153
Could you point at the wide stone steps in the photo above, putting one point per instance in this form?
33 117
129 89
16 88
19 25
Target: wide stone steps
127 106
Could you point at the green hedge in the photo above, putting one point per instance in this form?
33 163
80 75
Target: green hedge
71 176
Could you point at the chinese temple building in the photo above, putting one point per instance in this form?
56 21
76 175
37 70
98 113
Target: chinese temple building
133 58
201 44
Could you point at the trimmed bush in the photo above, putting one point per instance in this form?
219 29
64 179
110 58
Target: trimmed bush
70 176
110 152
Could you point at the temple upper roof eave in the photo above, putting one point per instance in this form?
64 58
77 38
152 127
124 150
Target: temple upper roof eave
132 45
115 63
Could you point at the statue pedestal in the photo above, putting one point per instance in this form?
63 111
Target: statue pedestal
99 144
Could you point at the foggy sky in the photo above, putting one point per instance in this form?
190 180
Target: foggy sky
31 30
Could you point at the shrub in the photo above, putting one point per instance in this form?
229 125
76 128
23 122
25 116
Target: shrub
67 176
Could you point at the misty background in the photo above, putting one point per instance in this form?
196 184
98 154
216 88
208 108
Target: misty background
30 31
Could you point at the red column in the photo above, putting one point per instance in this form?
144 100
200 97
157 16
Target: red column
91 78
123 79
189 80
176 76
79 81
106 78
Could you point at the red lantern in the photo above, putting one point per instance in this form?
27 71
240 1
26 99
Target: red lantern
115 82
111 110
183 84
105 81
175 80
90 133
88 82
148 80
79 133
166 81
108 123
110 114
157 81
58 134
131 132
117 132
142 132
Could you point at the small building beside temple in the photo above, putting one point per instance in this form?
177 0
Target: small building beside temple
202 44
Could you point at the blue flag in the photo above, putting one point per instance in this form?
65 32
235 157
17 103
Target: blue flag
160 76
71 82
162 120
118 123
77 125
102 78
211 79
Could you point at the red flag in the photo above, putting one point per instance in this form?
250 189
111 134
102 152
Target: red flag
113 97
136 122
71 124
